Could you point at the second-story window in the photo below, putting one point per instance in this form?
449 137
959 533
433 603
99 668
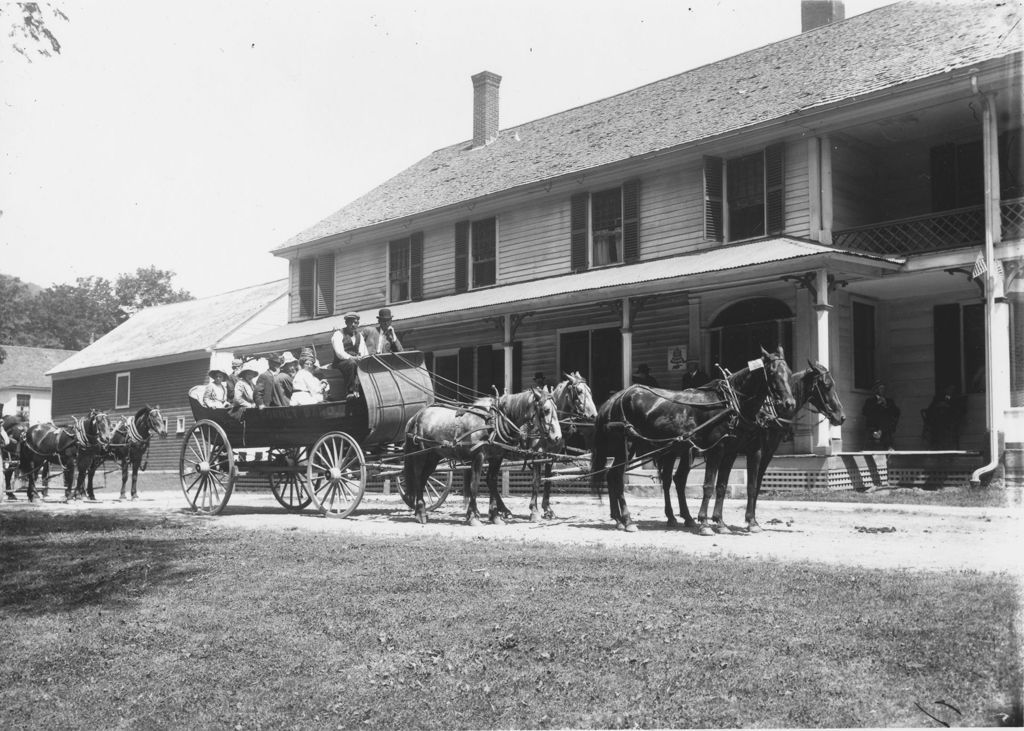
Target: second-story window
744 197
606 226
316 286
405 268
476 254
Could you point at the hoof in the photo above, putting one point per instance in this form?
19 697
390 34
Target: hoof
619 525
705 530
722 529
496 519
11 496
421 517
122 498
535 517
690 524
631 528
549 515
753 527
672 522
474 522
135 497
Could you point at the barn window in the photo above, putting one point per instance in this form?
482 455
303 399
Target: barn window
744 196
405 268
476 254
179 425
122 390
23 405
605 226
316 286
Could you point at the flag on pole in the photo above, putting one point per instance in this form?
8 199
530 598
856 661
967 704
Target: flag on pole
979 267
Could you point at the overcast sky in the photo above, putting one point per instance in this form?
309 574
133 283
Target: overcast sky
198 136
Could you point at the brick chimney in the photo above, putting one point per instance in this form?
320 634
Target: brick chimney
485 107
816 13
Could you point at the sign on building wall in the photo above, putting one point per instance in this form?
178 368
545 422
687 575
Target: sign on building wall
677 358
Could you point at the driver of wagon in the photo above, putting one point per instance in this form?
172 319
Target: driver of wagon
349 345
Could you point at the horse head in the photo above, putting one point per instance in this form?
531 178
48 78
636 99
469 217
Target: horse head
778 375
823 395
155 421
544 414
573 396
97 427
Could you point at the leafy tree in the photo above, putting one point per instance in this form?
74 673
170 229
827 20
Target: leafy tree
72 316
149 286
15 300
29 27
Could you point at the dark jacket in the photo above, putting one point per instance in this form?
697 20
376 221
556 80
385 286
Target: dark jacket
263 393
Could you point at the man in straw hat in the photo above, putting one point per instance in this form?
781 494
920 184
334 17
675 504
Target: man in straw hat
381 338
349 346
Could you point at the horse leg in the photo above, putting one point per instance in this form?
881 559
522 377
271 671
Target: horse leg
9 467
616 487
136 464
124 479
723 471
496 507
472 513
28 472
769 444
682 474
712 458
549 514
665 462
535 490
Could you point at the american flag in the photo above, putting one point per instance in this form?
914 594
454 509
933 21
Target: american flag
980 267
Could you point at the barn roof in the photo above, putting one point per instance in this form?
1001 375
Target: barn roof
174 329
867 53
26 367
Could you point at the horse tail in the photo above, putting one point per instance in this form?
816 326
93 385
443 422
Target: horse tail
599 452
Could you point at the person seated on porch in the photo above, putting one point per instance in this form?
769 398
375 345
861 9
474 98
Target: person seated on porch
215 395
881 415
349 346
307 388
943 419
283 379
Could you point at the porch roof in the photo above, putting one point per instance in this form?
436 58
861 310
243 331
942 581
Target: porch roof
723 266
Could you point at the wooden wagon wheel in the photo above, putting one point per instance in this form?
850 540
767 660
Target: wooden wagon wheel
336 474
207 468
289 488
435 492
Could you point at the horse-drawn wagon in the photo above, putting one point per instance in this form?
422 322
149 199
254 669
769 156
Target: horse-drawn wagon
321 454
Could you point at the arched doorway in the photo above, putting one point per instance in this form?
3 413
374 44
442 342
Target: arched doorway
739 332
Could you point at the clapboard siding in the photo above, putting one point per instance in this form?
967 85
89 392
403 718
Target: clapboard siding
534 241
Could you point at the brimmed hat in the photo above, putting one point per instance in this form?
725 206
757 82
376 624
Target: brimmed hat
218 370
273 361
250 366
287 357
351 316
307 353
384 314
538 375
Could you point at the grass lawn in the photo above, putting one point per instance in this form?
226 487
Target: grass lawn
110 620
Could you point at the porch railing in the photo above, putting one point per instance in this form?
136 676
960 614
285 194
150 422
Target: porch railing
932 232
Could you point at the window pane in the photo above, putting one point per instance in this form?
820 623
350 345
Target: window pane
398 270
745 186
122 388
606 227
484 251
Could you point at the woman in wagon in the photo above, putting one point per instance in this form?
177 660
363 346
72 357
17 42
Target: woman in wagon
349 346
307 388
244 389
215 396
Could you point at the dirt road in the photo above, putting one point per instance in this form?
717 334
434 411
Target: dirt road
861 534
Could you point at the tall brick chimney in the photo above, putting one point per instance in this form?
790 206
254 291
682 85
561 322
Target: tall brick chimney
485 107
816 13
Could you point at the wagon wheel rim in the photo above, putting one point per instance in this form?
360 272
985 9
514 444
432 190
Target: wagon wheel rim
289 488
336 474
435 491
206 468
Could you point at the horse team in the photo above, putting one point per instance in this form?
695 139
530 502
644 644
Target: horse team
78 449
750 411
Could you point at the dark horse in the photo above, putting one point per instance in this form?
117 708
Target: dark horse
483 431
83 440
576 413
129 444
760 441
662 425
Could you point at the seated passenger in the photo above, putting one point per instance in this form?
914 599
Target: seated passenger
244 389
307 388
263 393
215 396
381 338
283 379
349 346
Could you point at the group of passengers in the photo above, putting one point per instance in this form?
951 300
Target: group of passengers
291 381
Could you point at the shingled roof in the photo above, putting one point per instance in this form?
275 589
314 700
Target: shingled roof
897 44
176 329
26 367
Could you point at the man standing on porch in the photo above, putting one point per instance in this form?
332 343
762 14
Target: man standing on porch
881 415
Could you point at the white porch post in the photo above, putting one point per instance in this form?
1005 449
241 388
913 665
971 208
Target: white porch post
627 343
822 430
507 343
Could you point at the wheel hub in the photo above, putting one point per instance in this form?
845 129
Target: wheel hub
203 467
335 474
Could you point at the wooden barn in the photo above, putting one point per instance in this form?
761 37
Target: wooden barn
24 386
157 355
852 193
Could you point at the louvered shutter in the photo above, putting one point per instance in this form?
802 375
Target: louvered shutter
325 284
466 374
462 256
578 224
416 266
774 189
712 198
631 221
307 269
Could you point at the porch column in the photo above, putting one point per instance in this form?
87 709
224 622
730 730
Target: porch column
627 342
508 347
822 430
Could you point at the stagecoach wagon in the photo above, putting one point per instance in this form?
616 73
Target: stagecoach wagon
321 454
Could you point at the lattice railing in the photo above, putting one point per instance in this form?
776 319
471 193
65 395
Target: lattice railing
932 232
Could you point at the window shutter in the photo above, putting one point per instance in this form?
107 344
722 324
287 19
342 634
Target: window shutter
578 224
774 189
466 374
517 366
306 272
416 266
325 284
712 198
461 256
631 221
